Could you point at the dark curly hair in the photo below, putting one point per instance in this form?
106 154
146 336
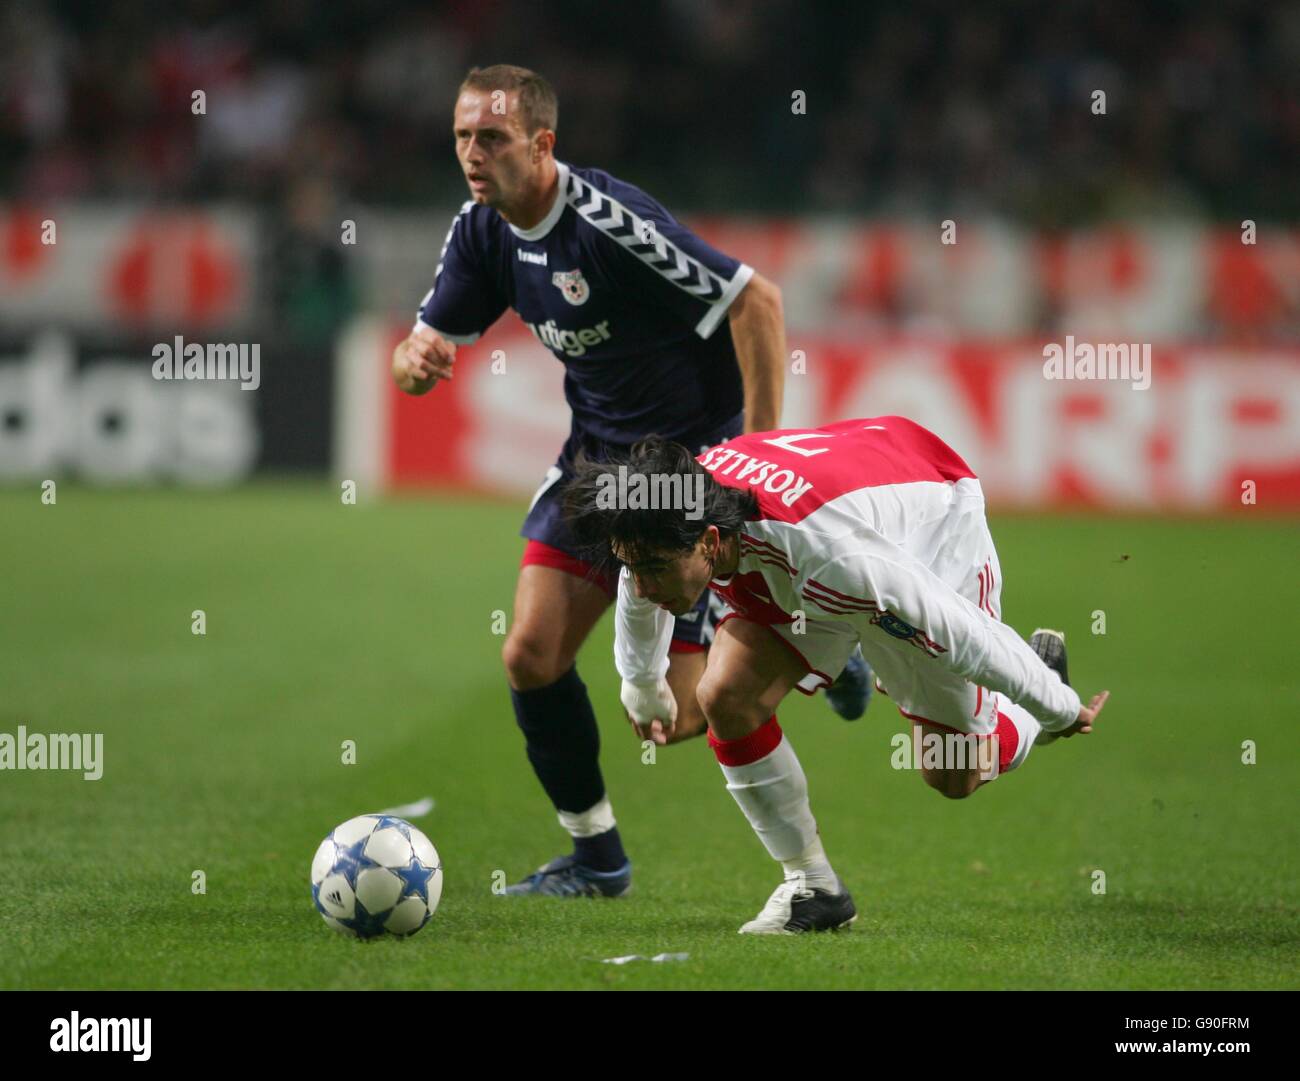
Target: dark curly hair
643 532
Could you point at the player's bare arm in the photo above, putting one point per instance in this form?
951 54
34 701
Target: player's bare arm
421 360
758 333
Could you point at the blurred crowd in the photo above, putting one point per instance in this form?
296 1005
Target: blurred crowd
916 106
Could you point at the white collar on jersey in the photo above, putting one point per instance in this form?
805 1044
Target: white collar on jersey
539 231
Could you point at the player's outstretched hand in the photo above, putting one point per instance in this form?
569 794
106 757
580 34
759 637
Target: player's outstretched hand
1087 714
421 360
651 708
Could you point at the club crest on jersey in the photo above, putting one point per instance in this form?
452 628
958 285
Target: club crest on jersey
892 625
572 285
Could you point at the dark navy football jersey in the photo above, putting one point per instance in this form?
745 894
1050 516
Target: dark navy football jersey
631 301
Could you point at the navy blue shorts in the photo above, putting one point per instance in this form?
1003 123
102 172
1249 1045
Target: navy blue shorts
550 543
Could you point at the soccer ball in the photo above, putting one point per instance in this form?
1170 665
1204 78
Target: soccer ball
375 875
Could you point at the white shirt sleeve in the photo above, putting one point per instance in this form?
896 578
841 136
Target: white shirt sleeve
642 634
956 634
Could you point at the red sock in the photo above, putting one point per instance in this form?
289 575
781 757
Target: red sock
1008 741
741 752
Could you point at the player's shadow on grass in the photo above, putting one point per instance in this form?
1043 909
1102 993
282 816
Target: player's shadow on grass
1195 923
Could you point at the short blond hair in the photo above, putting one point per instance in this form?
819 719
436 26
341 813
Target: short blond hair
538 107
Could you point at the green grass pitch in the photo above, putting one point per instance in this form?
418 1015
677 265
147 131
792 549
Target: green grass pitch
374 623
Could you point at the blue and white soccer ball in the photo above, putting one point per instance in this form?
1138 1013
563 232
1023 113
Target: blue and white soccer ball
375 875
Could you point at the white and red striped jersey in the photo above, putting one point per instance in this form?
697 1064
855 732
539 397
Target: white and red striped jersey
872 523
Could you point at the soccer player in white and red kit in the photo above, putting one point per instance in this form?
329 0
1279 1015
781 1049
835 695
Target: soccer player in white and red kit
867 531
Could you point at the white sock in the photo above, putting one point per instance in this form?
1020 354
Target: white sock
773 794
813 867
598 818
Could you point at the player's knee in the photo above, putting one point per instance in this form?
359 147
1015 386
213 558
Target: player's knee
730 713
952 783
532 662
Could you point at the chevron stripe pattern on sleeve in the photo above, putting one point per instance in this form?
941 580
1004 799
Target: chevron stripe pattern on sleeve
642 238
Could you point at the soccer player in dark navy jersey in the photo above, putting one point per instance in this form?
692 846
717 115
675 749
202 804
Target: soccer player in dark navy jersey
659 334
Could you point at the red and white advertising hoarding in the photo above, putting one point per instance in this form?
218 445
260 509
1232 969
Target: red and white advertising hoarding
1211 420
